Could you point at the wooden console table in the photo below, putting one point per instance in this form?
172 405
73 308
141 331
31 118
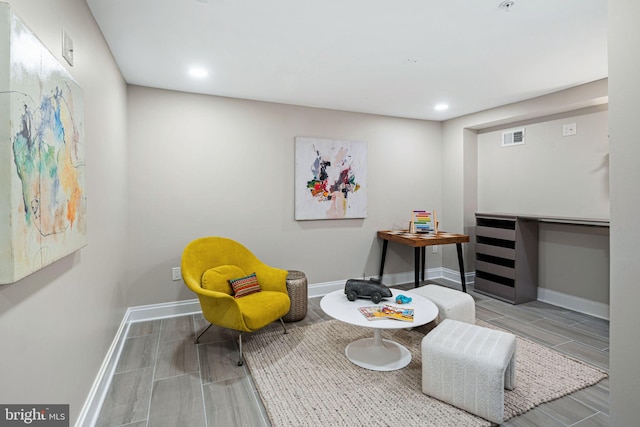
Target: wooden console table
419 241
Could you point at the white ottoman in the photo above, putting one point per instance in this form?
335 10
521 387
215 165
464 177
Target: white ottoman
452 304
469 367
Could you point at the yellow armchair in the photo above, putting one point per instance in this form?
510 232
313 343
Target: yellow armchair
209 263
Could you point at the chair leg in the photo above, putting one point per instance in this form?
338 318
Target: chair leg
284 327
241 360
201 333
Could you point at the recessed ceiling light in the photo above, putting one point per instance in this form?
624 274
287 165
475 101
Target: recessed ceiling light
198 72
441 107
506 5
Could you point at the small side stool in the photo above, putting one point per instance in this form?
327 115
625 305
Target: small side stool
469 367
452 304
297 289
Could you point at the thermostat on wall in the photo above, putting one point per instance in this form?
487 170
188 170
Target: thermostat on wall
568 129
67 47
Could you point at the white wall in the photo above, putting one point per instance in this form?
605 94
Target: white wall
574 260
204 165
556 175
460 153
57 324
624 126
550 174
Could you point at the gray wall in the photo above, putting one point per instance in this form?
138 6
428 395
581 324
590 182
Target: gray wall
555 175
624 126
549 174
204 165
56 325
461 161
574 260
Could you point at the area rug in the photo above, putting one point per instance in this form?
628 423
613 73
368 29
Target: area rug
305 379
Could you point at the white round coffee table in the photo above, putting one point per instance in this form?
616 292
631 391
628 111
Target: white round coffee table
375 353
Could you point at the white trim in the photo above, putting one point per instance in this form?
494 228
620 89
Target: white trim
321 289
145 313
93 404
454 276
97 394
581 305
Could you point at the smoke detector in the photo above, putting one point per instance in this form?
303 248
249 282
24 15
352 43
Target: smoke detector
412 60
506 5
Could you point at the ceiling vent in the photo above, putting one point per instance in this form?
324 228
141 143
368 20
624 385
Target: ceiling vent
513 137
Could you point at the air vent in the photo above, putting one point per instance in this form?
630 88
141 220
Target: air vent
513 137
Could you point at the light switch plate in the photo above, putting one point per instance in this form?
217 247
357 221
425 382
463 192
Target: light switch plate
67 48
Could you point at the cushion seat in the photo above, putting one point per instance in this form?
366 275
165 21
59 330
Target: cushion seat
451 303
469 366
261 308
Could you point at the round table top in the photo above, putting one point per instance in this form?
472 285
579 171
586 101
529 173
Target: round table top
336 305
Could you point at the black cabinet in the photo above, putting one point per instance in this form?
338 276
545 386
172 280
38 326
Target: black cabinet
506 257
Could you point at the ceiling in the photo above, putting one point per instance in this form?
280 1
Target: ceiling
397 58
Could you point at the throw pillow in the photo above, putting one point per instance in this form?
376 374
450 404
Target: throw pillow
244 286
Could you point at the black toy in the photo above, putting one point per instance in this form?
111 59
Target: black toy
372 288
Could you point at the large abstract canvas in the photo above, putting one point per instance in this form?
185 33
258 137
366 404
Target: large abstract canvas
330 179
42 167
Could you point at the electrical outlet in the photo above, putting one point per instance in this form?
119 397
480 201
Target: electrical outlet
435 249
176 273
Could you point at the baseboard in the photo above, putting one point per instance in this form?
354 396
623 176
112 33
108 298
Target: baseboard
145 313
454 276
93 404
91 409
97 394
321 289
581 305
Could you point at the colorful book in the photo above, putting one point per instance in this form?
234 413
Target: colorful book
371 312
398 313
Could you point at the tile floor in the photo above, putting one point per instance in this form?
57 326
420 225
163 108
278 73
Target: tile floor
163 379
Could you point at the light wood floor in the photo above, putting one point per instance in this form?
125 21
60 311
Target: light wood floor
164 379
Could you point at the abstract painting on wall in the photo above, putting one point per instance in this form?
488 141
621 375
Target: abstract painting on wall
42 166
330 179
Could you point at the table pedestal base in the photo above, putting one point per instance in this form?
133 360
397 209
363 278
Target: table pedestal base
378 354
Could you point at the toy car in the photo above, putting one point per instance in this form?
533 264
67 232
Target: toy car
358 288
